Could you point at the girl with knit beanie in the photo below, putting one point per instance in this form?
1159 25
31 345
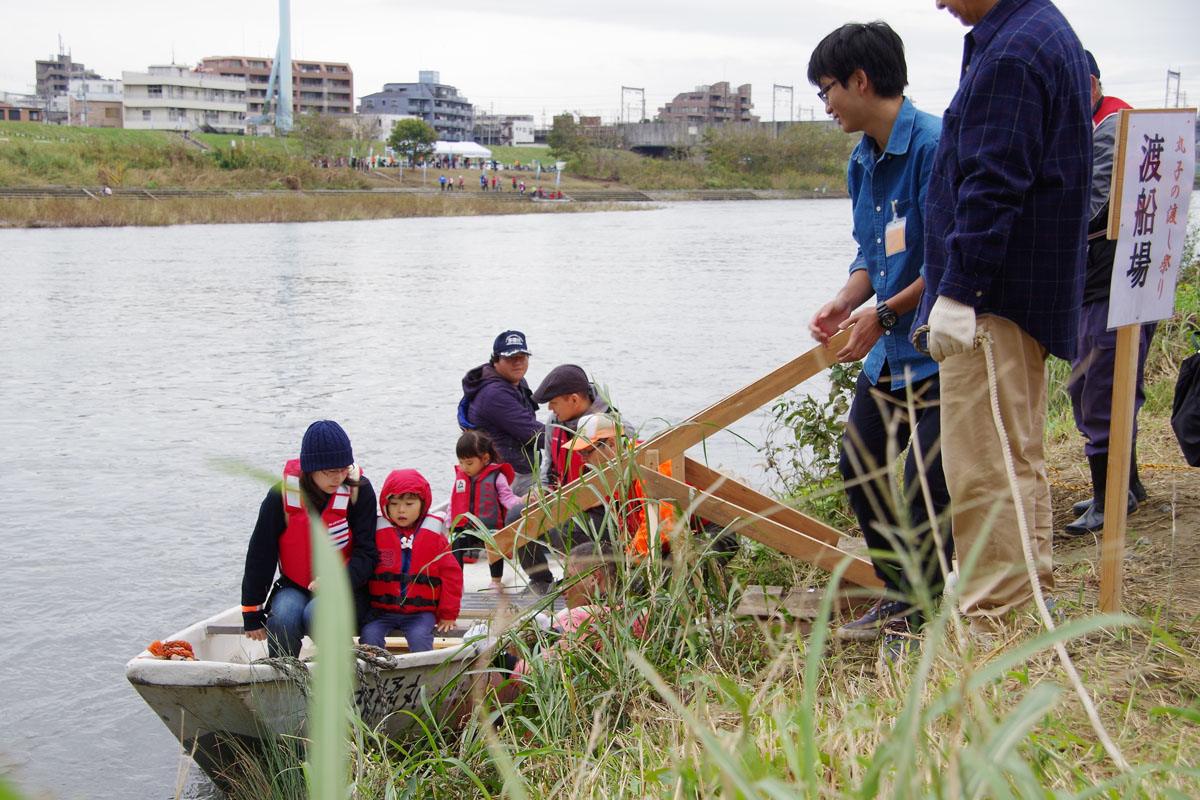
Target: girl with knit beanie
323 479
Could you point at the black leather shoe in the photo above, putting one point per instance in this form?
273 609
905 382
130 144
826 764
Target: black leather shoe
867 627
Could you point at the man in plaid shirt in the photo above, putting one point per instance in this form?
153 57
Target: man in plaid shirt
1005 242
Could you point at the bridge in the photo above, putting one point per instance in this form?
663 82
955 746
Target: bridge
655 138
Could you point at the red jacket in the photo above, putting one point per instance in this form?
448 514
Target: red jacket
1108 106
478 496
295 545
416 570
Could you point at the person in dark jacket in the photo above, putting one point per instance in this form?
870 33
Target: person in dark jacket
497 399
324 477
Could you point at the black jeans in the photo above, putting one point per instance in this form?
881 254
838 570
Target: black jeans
875 410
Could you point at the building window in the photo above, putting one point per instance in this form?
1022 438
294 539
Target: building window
14 113
146 115
154 91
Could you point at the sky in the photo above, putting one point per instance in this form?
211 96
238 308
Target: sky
544 58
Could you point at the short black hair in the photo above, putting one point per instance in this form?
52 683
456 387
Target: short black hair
873 47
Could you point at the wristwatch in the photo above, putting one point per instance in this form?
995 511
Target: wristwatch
887 317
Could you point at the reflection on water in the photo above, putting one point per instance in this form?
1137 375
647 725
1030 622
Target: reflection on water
138 360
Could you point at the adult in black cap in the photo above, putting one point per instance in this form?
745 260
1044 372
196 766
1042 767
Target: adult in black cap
497 399
323 478
1092 370
569 395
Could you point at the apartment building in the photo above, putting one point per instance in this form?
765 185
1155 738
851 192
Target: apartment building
54 74
503 129
318 87
437 103
712 104
173 97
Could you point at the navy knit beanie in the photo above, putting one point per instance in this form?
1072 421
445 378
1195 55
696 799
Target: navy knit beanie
325 446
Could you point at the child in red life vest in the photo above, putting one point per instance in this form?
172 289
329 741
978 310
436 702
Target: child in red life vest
417 585
482 497
324 477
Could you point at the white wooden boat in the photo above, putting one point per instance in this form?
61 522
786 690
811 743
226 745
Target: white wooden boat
222 703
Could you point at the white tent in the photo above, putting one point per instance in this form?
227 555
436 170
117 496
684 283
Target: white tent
461 149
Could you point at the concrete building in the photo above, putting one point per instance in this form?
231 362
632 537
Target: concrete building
437 103
503 129
20 111
318 87
713 104
95 103
172 97
54 74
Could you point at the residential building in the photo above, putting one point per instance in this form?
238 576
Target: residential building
318 87
174 97
503 129
20 111
433 101
95 103
55 73
710 104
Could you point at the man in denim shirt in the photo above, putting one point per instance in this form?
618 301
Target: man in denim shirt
1005 237
861 73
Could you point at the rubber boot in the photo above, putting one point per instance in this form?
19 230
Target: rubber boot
1092 518
1135 487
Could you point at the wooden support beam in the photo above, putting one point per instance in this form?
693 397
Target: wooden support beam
726 488
695 429
760 529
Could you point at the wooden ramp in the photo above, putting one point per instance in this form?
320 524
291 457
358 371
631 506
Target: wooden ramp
707 493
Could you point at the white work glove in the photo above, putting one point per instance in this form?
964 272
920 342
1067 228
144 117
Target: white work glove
951 328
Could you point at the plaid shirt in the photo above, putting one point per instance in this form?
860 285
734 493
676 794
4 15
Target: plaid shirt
1006 211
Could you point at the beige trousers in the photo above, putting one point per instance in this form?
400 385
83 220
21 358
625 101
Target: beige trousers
981 501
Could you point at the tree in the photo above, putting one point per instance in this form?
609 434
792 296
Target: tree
318 135
567 139
413 138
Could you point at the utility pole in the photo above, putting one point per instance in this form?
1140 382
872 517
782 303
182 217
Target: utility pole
629 91
776 90
1172 75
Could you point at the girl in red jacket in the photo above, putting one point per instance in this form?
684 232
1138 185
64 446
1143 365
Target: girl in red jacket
417 585
482 497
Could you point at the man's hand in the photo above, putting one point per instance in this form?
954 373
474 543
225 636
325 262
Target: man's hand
951 328
864 336
826 322
258 634
444 625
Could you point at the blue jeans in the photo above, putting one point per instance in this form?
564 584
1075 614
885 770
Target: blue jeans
417 629
289 619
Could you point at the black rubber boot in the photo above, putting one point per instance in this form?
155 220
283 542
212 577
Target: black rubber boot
1135 487
1092 519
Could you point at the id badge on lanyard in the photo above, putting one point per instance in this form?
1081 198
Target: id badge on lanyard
893 234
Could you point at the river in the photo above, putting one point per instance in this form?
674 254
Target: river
139 363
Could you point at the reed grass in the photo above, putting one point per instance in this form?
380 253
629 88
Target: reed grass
114 212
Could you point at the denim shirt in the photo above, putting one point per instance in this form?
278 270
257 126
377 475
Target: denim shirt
899 175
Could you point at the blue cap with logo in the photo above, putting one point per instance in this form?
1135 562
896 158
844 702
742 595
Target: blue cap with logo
510 343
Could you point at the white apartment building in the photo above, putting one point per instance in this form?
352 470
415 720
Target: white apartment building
93 102
172 97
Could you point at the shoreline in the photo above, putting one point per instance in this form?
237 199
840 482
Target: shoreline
79 207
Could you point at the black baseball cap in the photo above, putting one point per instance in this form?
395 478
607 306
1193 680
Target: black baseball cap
510 343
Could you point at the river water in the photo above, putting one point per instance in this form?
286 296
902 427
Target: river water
138 363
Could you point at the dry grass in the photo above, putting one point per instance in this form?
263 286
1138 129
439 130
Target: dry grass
112 212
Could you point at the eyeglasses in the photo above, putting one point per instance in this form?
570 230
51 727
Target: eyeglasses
823 95
336 473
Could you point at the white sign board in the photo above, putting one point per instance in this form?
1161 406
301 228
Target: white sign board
1153 171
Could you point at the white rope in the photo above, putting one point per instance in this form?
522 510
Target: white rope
985 339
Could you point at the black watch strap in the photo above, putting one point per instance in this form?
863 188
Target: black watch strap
887 317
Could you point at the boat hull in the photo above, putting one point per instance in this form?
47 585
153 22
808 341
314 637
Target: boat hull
222 705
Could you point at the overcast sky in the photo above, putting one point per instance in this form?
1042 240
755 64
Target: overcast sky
541 58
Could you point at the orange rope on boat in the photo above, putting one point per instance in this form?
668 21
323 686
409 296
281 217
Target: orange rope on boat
174 649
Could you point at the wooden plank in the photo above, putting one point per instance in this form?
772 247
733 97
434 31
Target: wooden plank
775 601
782 538
698 427
739 494
1120 446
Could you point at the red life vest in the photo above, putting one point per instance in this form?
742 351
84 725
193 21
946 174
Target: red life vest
568 464
419 587
478 496
1108 107
295 545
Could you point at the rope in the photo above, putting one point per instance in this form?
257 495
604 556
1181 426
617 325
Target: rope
1110 747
